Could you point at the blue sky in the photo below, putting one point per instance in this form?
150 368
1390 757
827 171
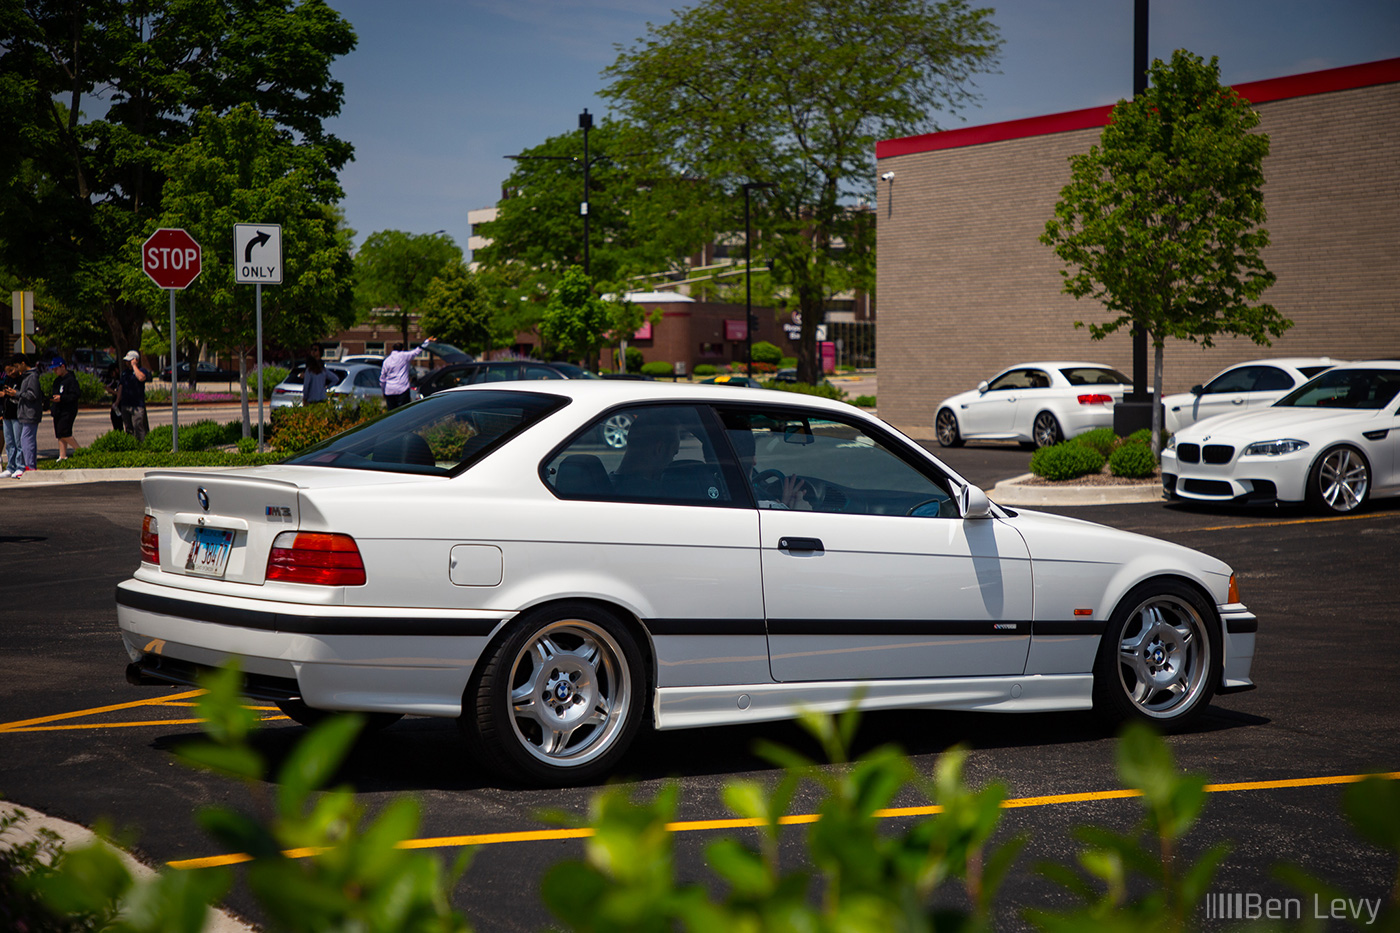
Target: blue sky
438 92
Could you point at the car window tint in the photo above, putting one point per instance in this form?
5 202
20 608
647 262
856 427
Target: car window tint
664 454
1240 379
438 436
1016 379
1094 376
541 372
367 378
501 372
1272 379
822 464
1346 388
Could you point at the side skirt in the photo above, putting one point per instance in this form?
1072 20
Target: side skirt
691 707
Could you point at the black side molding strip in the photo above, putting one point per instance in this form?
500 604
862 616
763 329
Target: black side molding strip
705 626
895 627
302 625
1241 626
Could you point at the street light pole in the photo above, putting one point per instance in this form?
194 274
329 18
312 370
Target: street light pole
585 123
749 321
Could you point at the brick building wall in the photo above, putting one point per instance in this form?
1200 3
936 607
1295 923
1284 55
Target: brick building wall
966 288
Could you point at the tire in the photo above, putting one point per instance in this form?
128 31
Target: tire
1339 483
559 699
1160 658
614 431
1045 431
946 427
308 716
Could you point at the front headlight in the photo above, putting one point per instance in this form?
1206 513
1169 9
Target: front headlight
1171 443
1276 448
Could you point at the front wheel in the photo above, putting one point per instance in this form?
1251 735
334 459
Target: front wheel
946 427
1046 430
1339 481
1160 657
559 700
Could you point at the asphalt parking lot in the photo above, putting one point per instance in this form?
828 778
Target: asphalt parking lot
74 745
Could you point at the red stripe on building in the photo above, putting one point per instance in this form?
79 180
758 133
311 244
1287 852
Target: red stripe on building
1256 92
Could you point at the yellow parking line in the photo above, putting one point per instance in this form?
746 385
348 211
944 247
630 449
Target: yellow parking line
153 701
1299 521
550 835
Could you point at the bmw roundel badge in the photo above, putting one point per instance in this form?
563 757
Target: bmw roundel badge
203 495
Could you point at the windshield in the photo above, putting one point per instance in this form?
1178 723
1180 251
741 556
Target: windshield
1359 389
571 371
438 436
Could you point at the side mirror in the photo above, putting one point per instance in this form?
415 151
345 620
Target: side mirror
982 386
1197 390
973 502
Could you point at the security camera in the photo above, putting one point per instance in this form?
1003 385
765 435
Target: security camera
888 176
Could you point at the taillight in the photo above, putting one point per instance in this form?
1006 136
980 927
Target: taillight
150 541
316 557
1095 399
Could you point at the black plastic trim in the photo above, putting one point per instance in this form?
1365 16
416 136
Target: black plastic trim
727 627
861 627
1241 626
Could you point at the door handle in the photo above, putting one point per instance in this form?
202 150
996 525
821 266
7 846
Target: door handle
800 544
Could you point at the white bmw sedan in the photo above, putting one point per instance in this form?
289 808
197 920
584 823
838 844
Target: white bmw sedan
484 555
1253 384
1332 443
1038 404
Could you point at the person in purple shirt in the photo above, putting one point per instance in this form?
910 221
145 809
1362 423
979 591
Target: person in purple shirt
393 375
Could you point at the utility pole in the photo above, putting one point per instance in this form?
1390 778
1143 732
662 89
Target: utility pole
749 320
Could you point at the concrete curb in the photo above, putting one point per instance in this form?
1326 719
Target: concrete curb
75 836
1014 492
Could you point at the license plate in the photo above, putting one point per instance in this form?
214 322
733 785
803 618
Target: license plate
210 551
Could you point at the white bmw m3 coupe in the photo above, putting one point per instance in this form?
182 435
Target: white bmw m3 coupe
485 555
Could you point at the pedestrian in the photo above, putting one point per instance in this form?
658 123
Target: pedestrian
29 401
315 380
393 375
131 399
64 404
112 380
9 408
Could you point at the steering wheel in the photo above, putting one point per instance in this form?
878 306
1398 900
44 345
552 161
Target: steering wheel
767 479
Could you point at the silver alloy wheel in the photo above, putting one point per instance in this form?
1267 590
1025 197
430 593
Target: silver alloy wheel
1164 656
1343 479
946 428
615 430
1046 430
570 694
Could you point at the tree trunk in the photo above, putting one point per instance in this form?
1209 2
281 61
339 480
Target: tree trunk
1157 399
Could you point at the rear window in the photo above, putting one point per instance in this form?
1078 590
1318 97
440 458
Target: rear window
438 436
1094 376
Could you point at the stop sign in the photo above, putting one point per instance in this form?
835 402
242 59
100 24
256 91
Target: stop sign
171 258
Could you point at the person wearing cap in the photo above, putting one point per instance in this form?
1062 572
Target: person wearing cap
131 396
64 405
29 403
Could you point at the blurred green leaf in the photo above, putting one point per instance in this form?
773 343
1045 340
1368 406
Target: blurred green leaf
237 761
315 758
1373 807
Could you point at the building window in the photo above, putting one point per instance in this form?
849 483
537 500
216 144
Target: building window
374 346
711 349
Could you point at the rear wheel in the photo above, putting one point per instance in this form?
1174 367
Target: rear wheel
299 712
560 698
1340 481
946 427
1046 430
1160 657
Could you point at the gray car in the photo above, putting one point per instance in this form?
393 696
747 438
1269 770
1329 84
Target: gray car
357 380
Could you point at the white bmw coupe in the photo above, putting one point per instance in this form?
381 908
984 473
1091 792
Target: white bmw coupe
1331 443
1038 404
485 555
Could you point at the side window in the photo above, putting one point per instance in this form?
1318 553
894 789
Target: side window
502 372
808 463
1272 379
664 455
367 379
1235 380
1020 379
540 372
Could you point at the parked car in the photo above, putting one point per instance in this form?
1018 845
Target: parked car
463 374
1251 384
357 380
203 372
1331 443
480 556
1038 404
90 360
373 359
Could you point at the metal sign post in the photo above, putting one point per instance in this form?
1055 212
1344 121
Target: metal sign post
257 261
23 305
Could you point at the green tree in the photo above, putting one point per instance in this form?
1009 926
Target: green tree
456 309
1161 222
796 93
575 320
240 169
393 270
80 186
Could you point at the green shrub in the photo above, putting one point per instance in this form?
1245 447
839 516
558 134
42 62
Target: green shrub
705 369
91 391
1132 460
88 459
112 441
299 427
765 352
271 376
864 401
1066 461
825 390
1101 439
247 445
658 368
635 360
159 438
788 362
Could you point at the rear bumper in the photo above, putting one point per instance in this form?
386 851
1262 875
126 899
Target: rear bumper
332 657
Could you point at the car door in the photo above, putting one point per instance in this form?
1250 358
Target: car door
994 411
1270 385
868 571
1227 392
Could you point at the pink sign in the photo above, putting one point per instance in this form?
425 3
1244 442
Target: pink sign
643 332
735 330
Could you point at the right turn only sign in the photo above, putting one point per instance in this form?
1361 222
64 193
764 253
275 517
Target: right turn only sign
257 254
